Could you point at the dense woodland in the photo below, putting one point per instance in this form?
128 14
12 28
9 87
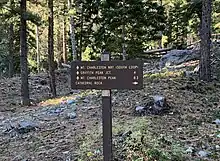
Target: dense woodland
39 35
175 117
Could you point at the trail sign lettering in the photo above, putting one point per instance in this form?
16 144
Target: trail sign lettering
107 75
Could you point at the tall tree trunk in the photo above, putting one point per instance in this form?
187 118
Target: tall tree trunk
23 56
11 51
72 32
123 33
81 33
205 64
64 34
59 46
38 49
160 32
64 42
123 44
51 50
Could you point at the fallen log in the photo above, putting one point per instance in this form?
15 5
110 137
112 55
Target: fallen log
66 65
157 51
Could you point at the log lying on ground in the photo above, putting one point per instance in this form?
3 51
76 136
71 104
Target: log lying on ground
157 51
66 65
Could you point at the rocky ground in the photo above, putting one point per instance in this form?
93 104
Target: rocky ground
70 126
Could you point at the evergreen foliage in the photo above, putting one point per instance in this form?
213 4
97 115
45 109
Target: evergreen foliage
99 25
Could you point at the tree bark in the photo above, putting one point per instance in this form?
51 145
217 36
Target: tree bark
81 34
123 34
123 44
59 46
72 32
160 32
38 49
51 50
11 51
205 64
64 35
23 55
64 42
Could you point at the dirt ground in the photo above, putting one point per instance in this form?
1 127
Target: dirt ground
187 129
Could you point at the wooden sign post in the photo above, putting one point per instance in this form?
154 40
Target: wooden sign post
107 122
106 75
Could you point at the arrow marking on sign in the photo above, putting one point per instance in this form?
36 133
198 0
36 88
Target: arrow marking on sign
77 78
77 67
135 83
77 72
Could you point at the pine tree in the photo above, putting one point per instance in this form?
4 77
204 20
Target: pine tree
11 51
205 64
23 55
139 29
51 50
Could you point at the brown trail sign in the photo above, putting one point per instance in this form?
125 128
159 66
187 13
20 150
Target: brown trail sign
106 75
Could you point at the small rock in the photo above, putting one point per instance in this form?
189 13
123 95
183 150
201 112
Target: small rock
139 109
74 91
218 136
217 121
55 111
86 101
58 110
203 153
69 102
97 152
71 115
190 150
159 100
126 134
66 152
217 147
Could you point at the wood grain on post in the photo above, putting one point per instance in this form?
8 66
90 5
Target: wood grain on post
107 118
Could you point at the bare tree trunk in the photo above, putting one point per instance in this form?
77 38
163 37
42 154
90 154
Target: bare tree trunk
72 32
205 64
160 40
64 35
123 44
23 56
123 34
51 50
11 51
81 33
64 42
38 49
160 32
59 46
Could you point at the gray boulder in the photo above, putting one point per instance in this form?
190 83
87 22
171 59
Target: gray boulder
176 57
71 115
156 106
202 153
26 126
21 127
